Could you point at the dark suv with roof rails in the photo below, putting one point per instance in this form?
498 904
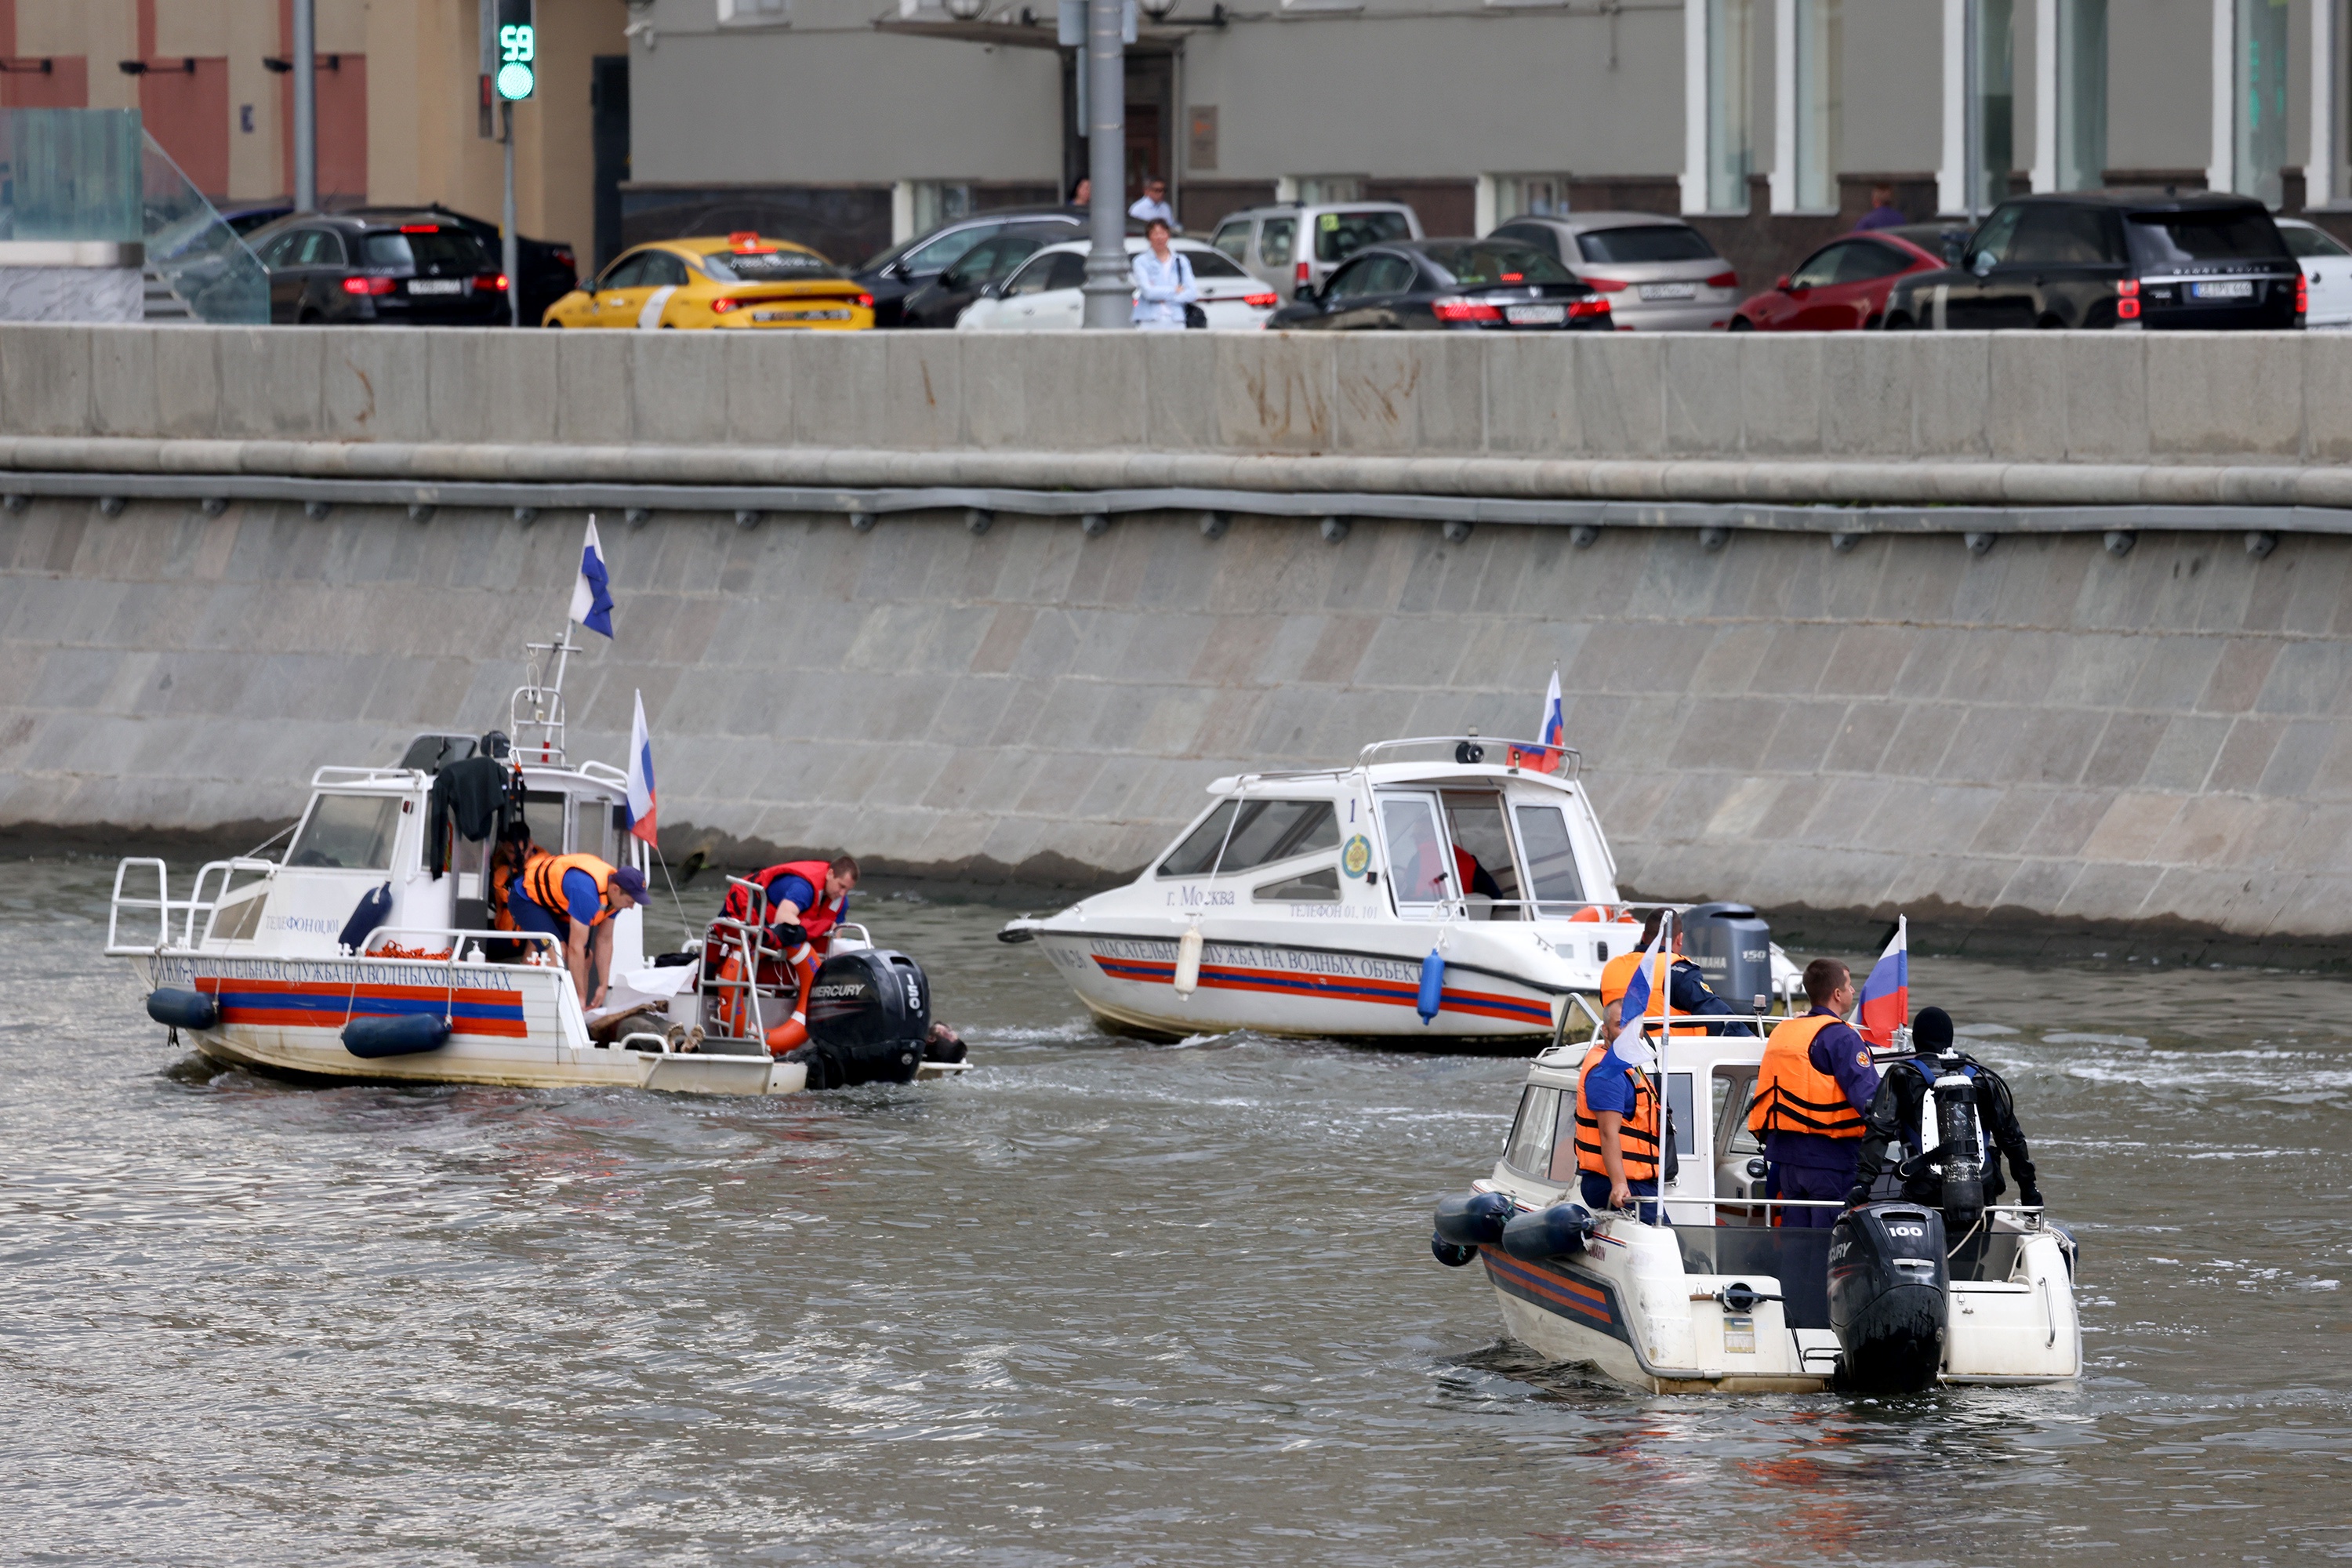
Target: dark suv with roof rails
2124 259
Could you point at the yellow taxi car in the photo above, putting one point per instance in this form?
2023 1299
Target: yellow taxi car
742 280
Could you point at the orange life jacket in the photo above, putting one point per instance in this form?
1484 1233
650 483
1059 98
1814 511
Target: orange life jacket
542 883
503 874
1618 973
1794 1096
818 920
1637 1135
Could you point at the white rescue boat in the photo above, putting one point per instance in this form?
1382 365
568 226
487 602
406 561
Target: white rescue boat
1447 888
360 954
1713 1293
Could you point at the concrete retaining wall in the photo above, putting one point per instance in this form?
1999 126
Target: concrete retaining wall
2046 730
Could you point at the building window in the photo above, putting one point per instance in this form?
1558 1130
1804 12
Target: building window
2078 48
753 13
1809 45
918 206
1318 190
1979 105
1529 196
2259 85
1717 44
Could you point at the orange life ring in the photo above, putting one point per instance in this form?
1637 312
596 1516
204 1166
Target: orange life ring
793 1033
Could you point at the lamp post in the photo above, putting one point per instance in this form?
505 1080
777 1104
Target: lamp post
306 107
1107 296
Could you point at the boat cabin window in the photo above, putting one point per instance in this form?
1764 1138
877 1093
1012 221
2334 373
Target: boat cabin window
1733 1088
348 833
1476 819
1529 1148
1420 870
1240 835
1551 860
543 809
1307 887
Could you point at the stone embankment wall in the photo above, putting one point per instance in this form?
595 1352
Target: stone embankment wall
2048 733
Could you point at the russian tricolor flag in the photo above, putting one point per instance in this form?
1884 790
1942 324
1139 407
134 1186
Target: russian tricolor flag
1551 730
1886 995
1631 1045
643 802
592 595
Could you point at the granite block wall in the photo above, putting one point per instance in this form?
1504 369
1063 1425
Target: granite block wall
2047 732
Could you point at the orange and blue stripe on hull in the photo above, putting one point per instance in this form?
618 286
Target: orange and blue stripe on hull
319 1005
1590 1304
1329 988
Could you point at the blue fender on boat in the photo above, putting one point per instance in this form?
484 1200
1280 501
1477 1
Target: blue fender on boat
182 1009
405 1034
1549 1233
1432 986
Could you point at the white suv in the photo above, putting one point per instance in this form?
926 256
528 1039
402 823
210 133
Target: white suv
1295 248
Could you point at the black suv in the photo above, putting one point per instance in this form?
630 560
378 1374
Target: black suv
2112 259
1489 285
416 269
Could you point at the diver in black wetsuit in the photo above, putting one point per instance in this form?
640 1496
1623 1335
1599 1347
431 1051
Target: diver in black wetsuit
1894 1114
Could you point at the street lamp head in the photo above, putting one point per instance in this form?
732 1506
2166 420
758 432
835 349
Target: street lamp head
1158 9
966 10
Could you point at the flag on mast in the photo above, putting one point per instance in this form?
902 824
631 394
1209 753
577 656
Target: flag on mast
1551 730
1886 995
592 595
1632 1047
643 801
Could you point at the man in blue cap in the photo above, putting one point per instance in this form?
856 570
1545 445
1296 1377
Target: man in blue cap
573 897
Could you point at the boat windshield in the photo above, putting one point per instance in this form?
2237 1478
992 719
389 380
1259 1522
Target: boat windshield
348 833
1264 831
1551 860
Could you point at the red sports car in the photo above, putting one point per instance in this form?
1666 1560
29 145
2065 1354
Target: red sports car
1840 287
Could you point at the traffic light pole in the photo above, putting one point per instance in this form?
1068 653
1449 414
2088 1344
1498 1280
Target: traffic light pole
509 259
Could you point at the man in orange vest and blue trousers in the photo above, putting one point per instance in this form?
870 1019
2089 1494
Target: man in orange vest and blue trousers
573 897
1813 1097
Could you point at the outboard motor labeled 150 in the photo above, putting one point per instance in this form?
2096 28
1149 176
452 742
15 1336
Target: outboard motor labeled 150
1889 1291
869 1013
1732 946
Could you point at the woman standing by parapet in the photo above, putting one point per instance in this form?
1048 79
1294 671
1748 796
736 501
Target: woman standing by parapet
1163 281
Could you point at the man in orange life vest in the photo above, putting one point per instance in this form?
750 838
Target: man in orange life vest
573 897
806 898
1617 1129
1813 1097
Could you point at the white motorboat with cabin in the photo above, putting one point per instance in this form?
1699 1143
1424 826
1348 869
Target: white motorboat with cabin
1710 1293
361 954
1443 888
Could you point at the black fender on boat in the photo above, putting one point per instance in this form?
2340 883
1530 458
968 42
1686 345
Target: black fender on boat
1556 1232
1450 1254
180 1009
405 1035
1474 1219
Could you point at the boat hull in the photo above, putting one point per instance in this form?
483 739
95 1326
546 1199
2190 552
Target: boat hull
509 1025
1275 987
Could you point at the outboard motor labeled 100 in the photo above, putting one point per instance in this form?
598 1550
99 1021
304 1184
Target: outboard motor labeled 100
869 1013
1889 1294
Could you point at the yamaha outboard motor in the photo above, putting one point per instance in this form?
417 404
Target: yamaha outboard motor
1733 949
869 1013
1888 1294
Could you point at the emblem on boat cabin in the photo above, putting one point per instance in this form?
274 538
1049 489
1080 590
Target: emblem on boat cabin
1357 857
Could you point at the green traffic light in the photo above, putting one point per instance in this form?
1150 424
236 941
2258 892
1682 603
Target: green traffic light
515 81
518 48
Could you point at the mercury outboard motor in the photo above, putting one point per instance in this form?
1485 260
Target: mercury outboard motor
869 1013
1889 1291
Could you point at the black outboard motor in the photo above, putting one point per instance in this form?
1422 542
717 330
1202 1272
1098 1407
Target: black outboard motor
1889 1291
869 1013
1733 949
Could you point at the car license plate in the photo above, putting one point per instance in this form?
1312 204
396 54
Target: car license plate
1739 1336
799 315
1669 290
436 285
1535 315
2238 290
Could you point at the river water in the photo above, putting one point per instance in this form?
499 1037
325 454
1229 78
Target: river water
1096 1303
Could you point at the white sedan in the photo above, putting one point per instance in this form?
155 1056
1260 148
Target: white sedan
2327 271
1044 295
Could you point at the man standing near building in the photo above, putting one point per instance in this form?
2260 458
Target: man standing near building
1812 1100
1153 203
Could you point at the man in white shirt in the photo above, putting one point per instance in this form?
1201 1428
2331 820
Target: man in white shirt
1153 203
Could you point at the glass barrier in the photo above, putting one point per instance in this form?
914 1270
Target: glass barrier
94 174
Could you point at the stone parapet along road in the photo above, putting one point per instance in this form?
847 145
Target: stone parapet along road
2045 733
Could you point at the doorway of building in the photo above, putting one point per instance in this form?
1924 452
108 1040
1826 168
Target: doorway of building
608 135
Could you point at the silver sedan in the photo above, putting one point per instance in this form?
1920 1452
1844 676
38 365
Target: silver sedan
1658 273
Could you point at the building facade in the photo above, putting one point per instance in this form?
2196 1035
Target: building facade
399 99
1765 121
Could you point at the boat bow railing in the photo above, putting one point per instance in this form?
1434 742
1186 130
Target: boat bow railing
166 908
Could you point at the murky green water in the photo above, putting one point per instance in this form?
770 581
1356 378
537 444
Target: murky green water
1095 1303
